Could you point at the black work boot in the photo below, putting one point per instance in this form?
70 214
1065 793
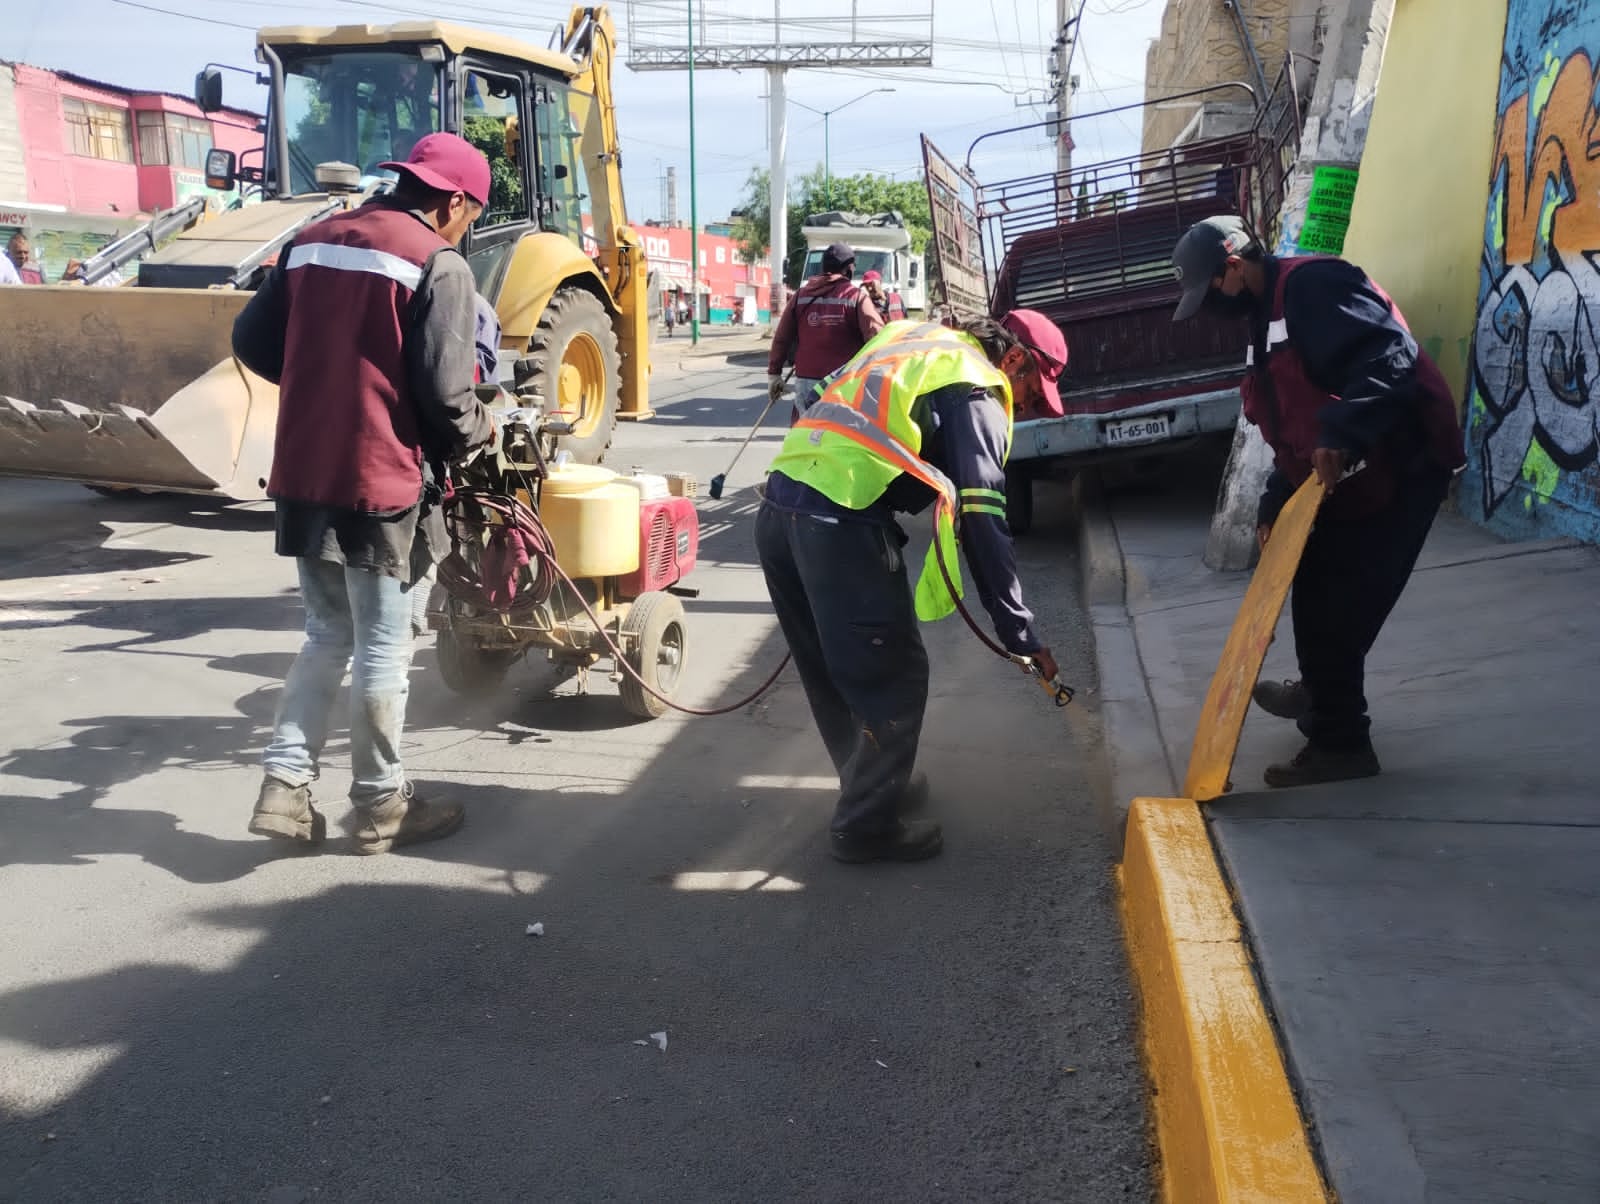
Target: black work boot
1285 699
405 818
286 812
915 796
914 840
1317 763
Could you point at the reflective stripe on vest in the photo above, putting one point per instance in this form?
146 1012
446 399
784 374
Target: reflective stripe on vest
343 258
859 435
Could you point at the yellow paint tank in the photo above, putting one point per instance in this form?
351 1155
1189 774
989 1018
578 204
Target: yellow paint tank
592 514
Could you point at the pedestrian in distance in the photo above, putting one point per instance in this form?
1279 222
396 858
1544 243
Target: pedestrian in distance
367 324
887 300
671 318
827 320
1340 390
921 416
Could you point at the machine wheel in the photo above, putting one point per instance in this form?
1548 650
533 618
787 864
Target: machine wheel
573 363
468 669
1019 500
655 621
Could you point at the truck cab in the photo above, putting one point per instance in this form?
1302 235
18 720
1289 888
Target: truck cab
882 244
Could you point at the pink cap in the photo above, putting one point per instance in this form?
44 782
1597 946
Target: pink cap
872 278
1044 341
449 164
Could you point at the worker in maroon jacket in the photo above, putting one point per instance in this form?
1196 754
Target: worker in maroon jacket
826 322
1341 390
367 325
886 300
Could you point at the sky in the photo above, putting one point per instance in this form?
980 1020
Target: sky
989 63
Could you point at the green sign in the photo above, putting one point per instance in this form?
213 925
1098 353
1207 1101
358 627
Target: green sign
1333 191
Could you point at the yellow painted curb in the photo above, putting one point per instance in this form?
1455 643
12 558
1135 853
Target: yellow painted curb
1226 1119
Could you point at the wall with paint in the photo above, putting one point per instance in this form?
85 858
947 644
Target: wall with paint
1534 407
1420 232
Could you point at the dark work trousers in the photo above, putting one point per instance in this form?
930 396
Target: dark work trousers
840 591
1351 575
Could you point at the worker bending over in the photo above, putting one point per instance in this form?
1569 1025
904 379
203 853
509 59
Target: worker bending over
1340 389
922 415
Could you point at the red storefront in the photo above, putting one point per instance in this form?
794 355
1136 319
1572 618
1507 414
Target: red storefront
724 280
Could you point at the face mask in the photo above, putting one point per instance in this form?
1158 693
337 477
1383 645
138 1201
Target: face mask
1223 306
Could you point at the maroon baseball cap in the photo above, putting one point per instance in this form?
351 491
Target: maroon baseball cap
872 278
1044 341
449 164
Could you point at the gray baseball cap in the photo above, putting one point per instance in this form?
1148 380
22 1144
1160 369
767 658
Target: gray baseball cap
1200 254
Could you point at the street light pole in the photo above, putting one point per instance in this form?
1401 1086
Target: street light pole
694 204
825 114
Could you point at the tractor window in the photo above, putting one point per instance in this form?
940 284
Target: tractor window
491 119
360 107
563 187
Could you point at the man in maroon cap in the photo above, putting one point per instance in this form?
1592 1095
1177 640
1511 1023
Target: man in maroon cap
367 326
923 412
887 301
827 321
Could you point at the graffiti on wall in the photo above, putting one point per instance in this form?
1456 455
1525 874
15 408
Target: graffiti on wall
1534 409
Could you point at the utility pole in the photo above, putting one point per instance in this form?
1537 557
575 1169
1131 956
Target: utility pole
825 114
694 203
777 183
1061 82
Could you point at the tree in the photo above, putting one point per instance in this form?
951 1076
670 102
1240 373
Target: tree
813 193
752 222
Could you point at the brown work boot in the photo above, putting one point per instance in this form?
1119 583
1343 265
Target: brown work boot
286 812
405 818
1315 763
1285 699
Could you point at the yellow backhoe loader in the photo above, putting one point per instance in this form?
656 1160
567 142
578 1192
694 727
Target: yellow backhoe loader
136 386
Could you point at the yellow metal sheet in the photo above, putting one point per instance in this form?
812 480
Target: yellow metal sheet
1216 739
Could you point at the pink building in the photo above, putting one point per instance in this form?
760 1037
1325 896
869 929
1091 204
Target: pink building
83 161
723 280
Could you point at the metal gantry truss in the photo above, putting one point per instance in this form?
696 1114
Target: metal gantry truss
916 53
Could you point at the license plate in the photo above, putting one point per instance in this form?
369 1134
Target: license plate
1137 430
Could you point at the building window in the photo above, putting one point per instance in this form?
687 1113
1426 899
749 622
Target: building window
188 140
722 254
171 139
98 131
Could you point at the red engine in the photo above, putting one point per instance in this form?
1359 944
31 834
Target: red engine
669 541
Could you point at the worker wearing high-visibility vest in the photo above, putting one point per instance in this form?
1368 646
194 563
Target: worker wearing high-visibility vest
922 415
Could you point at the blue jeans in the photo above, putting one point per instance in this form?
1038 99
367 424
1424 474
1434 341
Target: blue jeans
351 614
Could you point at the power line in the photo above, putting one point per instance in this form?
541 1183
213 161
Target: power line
151 8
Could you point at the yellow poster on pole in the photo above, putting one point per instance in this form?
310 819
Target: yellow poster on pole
1216 739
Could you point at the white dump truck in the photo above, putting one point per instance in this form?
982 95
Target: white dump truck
882 243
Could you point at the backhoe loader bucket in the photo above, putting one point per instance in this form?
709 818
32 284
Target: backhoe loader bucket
131 387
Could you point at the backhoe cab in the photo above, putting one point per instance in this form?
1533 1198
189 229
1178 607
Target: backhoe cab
136 387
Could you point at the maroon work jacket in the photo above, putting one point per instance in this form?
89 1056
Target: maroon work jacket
348 432
1281 398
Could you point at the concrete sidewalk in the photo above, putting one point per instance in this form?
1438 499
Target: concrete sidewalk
1427 940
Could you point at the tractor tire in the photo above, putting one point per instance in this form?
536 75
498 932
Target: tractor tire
574 365
469 670
656 652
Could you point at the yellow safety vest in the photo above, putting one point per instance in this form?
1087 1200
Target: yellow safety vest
860 435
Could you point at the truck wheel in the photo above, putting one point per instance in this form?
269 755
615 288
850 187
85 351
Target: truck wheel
469 669
1019 500
573 363
656 652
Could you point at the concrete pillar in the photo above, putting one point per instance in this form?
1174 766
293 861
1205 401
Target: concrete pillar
778 128
1335 132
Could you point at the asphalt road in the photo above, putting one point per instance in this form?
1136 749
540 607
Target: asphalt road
188 1014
